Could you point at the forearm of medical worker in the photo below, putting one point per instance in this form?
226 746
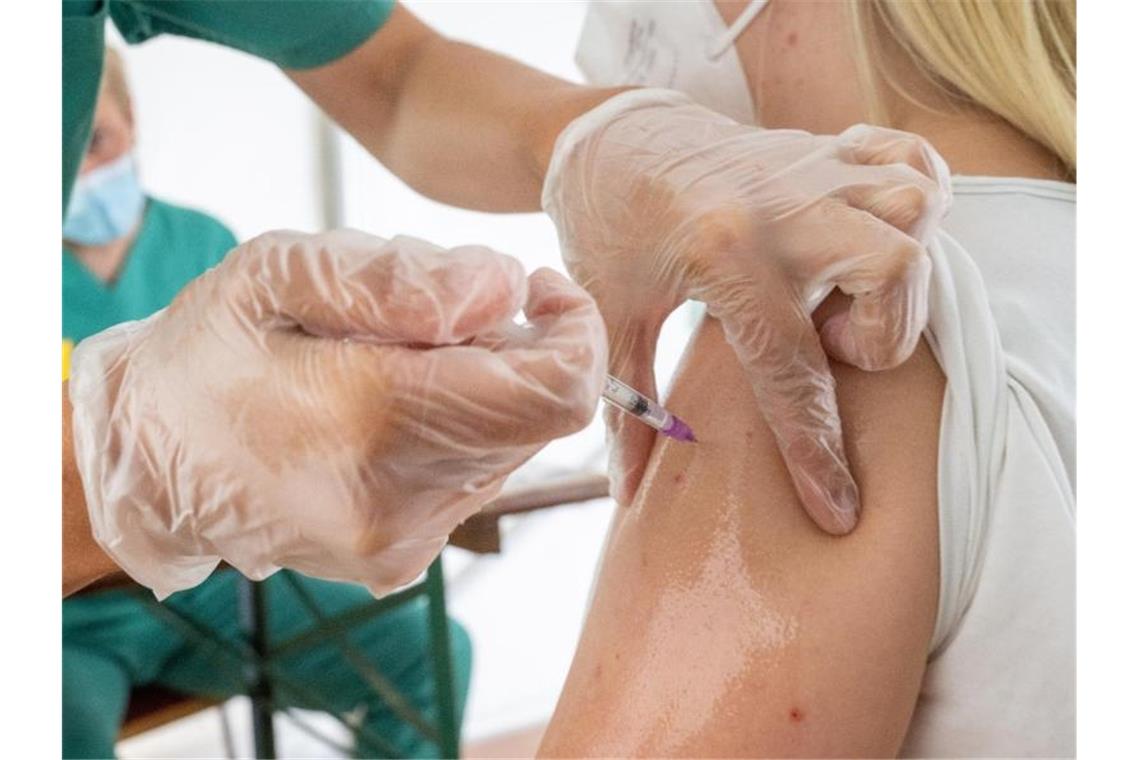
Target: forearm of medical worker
83 561
458 123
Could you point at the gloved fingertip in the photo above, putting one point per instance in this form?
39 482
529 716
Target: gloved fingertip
843 502
871 354
902 206
618 491
549 292
823 481
834 507
548 274
835 336
939 170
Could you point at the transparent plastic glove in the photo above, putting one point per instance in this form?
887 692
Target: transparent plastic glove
333 403
658 200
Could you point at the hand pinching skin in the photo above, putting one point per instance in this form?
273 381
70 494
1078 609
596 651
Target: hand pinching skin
658 200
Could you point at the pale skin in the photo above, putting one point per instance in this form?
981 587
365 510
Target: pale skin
724 622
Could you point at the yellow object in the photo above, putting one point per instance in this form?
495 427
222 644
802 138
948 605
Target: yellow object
67 346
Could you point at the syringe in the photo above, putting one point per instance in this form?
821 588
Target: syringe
646 409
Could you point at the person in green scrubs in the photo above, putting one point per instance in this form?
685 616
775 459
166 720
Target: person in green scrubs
126 255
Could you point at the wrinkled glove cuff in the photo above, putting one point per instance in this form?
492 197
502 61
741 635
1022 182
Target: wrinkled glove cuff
118 493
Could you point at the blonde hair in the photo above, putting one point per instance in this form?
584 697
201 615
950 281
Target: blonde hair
1014 58
114 84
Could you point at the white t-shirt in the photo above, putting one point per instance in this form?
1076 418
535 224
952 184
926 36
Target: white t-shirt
1000 680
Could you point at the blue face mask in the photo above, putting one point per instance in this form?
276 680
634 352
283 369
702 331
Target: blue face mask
106 203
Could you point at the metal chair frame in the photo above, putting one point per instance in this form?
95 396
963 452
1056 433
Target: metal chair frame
258 661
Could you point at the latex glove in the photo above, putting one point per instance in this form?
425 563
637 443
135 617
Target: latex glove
658 200
333 403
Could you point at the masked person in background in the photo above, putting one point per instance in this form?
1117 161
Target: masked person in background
126 255
723 624
284 411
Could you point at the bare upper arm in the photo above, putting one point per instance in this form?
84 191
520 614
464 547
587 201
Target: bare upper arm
457 123
724 622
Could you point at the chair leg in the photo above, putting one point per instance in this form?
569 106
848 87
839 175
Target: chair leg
227 733
254 620
441 657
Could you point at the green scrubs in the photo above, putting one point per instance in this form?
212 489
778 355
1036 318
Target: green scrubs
111 643
173 246
298 34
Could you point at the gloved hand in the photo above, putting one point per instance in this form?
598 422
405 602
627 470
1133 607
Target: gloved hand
658 200
333 403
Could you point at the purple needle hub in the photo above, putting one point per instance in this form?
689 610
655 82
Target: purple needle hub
680 431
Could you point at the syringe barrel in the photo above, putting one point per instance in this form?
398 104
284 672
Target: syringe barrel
620 394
